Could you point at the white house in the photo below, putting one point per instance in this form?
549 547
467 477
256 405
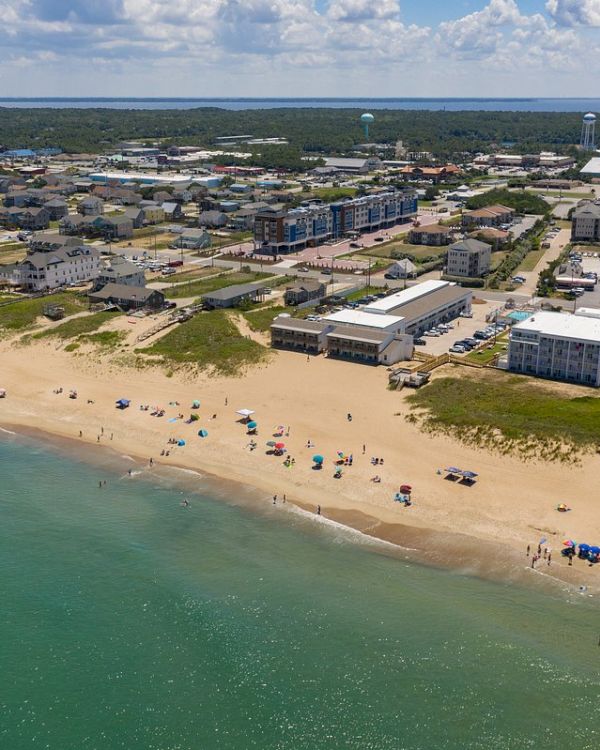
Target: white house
70 265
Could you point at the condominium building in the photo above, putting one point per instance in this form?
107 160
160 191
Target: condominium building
289 231
585 225
469 258
557 346
490 216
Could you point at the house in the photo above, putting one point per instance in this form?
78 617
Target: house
153 214
50 270
212 219
469 258
193 239
110 227
402 269
585 226
239 187
117 227
308 289
243 219
18 198
490 216
181 195
232 296
42 242
71 224
90 206
172 211
128 297
434 234
31 219
162 196
57 208
136 215
119 270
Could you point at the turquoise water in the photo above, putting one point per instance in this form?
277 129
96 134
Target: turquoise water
131 622
519 315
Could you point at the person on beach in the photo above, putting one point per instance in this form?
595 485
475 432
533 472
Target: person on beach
151 462
100 485
129 472
364 449
528 549
549 557
284 498
318 510
102 430
274 499
80 433
98 439
111 435
226 401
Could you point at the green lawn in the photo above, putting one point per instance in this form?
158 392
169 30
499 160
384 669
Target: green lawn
70 329
531 260
192 274
23 314
260 320
509 413
230 239
203 286
208 341
486 355
332 194
393 249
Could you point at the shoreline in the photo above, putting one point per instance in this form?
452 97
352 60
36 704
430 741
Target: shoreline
483 529
390 539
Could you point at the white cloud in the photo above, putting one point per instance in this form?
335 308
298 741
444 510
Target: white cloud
575 12
363 10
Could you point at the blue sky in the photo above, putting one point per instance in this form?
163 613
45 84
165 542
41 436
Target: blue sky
299 47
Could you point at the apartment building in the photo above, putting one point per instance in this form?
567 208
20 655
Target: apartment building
279 232
469 258
585 226
434 234
558 346
490 216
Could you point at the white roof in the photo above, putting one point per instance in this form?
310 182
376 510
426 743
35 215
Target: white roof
588 312
592 167
383 306
563 325
364 318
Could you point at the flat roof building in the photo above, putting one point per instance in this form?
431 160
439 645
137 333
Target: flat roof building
558 346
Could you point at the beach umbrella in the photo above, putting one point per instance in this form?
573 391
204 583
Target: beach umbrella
245 412
271 443
595 550
584 547
252 425
569 543
405 489
203 433
469 474
318 459
453 470
194 417
280 446
195 404
181 442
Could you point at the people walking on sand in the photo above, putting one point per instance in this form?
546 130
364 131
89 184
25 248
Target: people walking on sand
364 449
129 472
318 510
539 551
102 430
349 417
80 433
111 435
226 401
151 462
528 549
98 439
549 557
274 499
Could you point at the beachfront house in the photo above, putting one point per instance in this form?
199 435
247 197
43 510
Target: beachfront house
119 270
41 271
233 296
128 297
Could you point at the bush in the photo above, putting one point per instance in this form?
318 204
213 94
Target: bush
521 201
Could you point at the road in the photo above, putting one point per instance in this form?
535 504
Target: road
557 245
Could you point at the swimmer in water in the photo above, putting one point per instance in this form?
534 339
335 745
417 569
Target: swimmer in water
185 503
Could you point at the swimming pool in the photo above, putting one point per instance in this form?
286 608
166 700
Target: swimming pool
519 315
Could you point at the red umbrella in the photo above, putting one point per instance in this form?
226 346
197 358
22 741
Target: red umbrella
279 446
405 488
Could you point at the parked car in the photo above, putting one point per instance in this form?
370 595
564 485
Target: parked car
419 342
327 271
457 349
379 239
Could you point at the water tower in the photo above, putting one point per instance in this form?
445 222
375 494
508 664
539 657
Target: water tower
366 120
588 132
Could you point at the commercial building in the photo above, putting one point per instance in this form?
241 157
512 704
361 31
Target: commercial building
299 335
279 232
585 225
368 345
353 166
557 346
469 258
424 305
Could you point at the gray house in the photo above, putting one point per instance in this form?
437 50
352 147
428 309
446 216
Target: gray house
57 208
118 270
305 291
136 215
193 239
232 296
128 297
212 219
91 206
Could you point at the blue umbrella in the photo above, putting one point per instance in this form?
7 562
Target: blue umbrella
584 547
203 433
181 442
469 474
318 459
453 470
252 425
595 550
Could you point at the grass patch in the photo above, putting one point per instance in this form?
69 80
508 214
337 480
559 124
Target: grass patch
208 341
191 275
260 320
486 355
510 414
332 194
531 260
70 329
396 249
104 339
23 314
197 288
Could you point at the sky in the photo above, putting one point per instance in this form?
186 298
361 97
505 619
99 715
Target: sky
272 48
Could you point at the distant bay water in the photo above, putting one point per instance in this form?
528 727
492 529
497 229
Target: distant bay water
131 622
473 104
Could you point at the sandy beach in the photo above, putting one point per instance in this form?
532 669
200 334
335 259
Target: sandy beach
476 528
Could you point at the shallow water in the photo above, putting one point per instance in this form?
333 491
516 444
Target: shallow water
131 622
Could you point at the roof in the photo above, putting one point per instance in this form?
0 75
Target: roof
365 319
587 209
495 210
592 167
406 264
470 245
124 291
341 163
423 305
564 325
310 285
194 233
297 324
354 333
431 229
120 266
394 301
231 292
490 232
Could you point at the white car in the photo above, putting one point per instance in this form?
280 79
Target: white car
457 349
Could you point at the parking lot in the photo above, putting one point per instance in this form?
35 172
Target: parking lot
463 327
590 298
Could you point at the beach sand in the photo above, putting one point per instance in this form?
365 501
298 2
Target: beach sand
475 528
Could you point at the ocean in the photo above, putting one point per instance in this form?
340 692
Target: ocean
129 621
494 105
